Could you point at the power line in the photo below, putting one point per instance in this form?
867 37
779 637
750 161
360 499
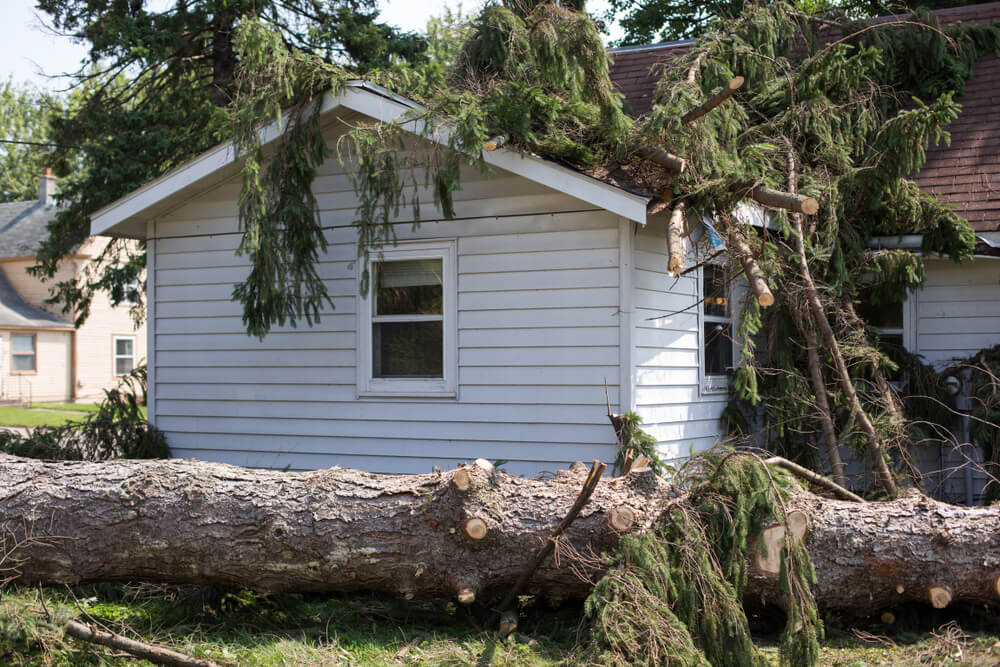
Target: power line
37 143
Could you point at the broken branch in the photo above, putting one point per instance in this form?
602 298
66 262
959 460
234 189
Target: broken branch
714 101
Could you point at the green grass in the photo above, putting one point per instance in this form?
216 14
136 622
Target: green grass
47 414
242 628
31 418
66 407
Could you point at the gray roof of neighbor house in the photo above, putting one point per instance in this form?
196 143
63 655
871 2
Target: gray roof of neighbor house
23 226
15 312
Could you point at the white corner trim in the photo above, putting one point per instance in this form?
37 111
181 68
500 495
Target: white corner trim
626 316
385 106
151 322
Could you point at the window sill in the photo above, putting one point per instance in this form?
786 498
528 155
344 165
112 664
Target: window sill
402 393
715 384
24 372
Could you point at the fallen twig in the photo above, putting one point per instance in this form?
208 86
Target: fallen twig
815 478
156 654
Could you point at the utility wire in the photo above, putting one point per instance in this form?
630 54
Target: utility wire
37 143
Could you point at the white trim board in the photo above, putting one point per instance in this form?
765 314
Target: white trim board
128 215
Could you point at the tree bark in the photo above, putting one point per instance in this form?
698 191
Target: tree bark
345 530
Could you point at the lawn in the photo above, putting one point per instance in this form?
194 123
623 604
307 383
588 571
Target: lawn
31 417
241 628
47 414
66 407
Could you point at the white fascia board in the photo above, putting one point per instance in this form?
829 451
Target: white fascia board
549 174
383 105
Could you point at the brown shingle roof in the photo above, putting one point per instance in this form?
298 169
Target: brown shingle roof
633 71
965 174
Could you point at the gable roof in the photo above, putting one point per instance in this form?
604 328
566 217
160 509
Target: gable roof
23 227
16 313
128 215
965 174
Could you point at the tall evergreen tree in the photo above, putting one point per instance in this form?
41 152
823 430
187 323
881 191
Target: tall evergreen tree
157 93
649 21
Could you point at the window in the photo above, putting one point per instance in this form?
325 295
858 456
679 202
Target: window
717 330
889 320
23 357
407 336
124 354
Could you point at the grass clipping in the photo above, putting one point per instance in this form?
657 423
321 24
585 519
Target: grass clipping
672 595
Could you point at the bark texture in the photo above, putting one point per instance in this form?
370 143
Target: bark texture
878 555
345 530
328 530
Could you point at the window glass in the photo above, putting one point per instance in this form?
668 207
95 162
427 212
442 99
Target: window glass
22 352
716 292
408 349
123 346
124 361
718 348
408 287
22 343
882 316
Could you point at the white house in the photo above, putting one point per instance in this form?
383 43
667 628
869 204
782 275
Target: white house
507 326
510 328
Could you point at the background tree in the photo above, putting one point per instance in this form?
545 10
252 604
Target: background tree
650 21
157 94
24 118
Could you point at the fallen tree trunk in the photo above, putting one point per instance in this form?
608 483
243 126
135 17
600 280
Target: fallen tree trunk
345 530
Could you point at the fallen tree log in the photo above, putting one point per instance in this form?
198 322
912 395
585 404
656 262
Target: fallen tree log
345 530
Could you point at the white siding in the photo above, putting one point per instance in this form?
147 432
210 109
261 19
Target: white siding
958 309
666 342
538 318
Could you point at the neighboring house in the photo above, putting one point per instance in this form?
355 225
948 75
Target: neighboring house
508 328
43 357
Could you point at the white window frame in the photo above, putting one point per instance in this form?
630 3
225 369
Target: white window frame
712 384
34 353
115 356
445 387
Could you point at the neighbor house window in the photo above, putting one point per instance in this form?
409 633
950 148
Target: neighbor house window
124 354
717 329
23 353
408 322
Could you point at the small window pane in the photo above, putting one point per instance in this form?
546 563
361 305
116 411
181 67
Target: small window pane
22 343
123 365
881 316
123 347
408 287
408 349
718 348
23 362
716 291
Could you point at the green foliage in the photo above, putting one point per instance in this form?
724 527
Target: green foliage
650 21
156 95
633 442
24 117
673 595
116 429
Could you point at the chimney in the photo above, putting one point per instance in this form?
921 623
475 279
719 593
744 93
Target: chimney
47 188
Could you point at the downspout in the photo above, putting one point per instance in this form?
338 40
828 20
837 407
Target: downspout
72 366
